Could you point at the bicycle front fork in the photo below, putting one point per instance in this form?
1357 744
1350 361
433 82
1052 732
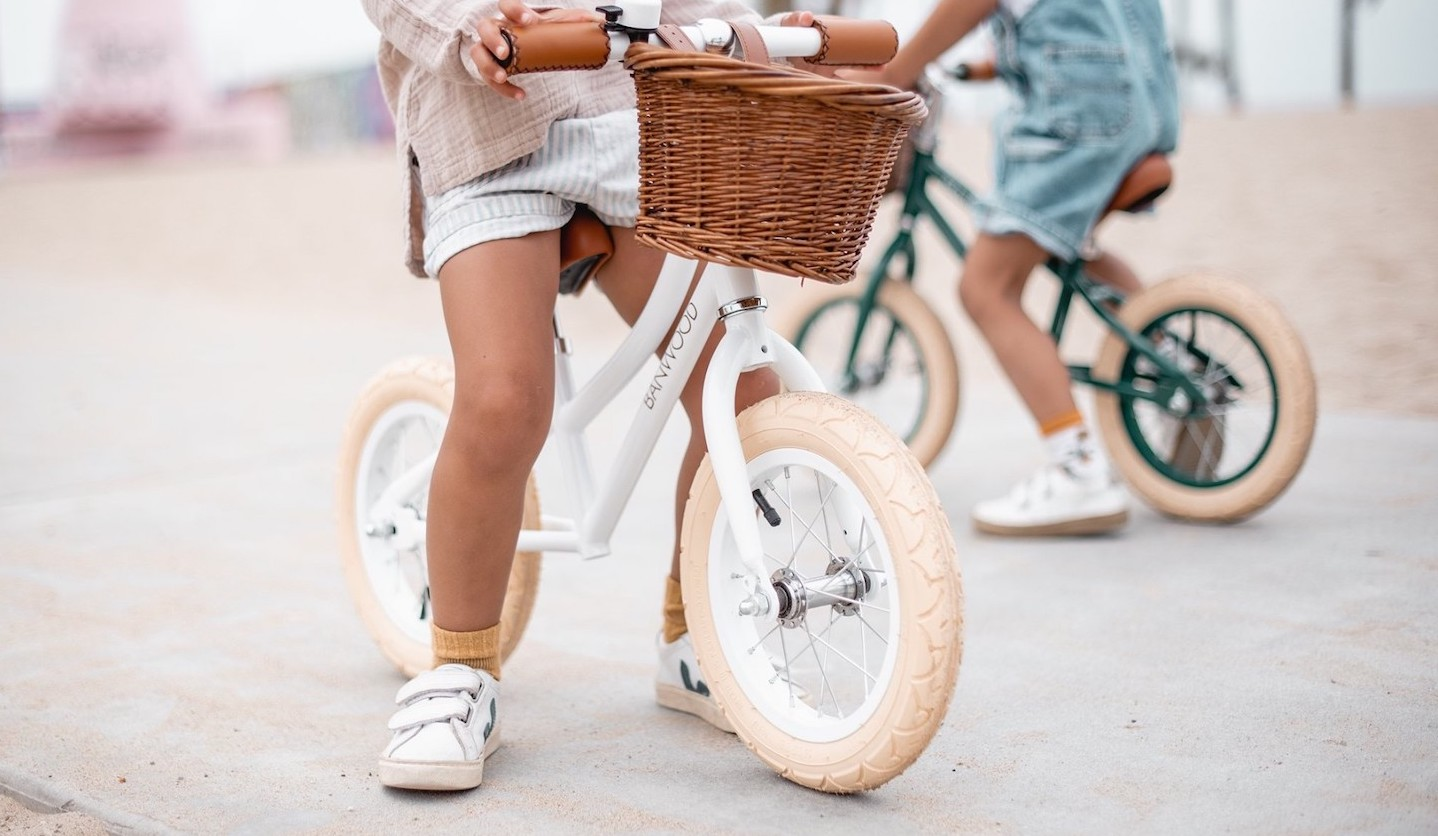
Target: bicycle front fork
747 344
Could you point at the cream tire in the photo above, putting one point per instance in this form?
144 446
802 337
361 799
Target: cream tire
1295 394
408 403
934 420
917 600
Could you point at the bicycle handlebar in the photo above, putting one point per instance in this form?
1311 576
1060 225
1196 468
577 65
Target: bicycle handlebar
589 45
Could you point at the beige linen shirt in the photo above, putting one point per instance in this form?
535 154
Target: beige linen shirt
450 127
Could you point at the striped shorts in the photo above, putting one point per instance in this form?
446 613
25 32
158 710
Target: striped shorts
590 161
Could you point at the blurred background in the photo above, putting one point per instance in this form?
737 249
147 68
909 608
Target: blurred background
104 78
241 147
201 266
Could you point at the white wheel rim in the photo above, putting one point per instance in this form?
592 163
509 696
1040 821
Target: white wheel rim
844 662
402 437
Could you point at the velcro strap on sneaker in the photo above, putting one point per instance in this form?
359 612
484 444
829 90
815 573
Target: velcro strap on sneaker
440 681
433 710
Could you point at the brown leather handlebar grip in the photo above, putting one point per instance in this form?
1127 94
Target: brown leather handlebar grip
977 71
569 45
854 43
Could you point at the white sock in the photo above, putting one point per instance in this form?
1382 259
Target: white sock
1074 449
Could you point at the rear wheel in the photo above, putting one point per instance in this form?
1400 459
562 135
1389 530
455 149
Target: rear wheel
395 425
905 372
1233 456
842 686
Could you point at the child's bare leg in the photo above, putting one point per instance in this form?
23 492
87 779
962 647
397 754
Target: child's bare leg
1074 493
995 273
627 280
1114 272
498 305
498 302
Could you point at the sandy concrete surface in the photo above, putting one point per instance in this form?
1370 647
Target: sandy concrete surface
19 820
179 346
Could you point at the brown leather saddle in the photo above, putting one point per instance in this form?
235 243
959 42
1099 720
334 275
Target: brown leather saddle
1143 185
584 246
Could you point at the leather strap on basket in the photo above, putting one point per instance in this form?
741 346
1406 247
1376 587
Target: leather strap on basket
752 43
674 38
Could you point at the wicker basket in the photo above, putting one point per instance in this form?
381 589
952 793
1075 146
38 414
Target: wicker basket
762 166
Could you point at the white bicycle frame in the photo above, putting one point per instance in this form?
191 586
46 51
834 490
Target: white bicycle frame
726 293
722 293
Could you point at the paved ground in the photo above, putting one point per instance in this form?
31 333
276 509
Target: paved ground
179 652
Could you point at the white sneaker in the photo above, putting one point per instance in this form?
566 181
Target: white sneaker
679 686
1055 501
446 727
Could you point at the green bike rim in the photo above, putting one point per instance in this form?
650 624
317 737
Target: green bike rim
886 320
1253 379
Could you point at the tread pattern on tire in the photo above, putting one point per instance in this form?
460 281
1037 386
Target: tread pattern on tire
931 338
919 537
1298 405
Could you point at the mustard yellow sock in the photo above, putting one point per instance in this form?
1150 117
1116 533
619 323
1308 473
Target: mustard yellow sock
1059 423
479 648
674 623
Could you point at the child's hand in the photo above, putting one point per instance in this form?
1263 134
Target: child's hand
796 19
492 47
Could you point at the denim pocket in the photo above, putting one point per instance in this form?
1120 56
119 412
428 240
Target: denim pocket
1087 91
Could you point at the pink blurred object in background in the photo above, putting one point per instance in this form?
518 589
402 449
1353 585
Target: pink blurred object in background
130 82
126 65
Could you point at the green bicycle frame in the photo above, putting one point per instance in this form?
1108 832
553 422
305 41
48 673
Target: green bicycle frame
1073 278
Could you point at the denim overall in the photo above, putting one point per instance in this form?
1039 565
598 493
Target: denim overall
1096 91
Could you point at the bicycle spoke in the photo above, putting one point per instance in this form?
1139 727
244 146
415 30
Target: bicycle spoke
777 562
864 649
793 546
823 674
824 513
863 526
841 655
770 632
880 636
788 667
827 629
865 604
809 528
1228 434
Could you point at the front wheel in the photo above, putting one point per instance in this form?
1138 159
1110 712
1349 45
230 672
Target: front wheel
843 686
1234 454
905 370
395 425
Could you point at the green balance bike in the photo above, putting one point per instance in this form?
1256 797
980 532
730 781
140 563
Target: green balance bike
1204 395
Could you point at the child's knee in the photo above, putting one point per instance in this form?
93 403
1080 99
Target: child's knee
501 419
983 294
977 296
